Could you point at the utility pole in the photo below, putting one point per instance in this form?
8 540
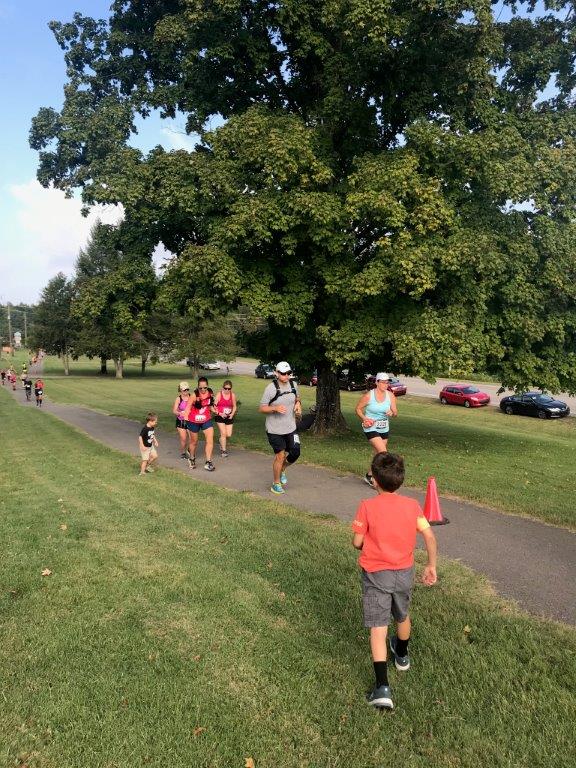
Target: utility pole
25 331
10 330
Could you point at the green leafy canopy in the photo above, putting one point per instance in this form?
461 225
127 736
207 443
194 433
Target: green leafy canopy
390 181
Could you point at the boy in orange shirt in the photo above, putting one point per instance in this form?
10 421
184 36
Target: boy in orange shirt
385 530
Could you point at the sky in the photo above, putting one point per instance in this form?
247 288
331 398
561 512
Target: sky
41 232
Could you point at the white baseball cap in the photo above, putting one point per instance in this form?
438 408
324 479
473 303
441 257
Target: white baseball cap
183 385
382 376
283 367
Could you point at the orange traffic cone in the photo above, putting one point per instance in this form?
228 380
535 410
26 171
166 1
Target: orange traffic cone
432 511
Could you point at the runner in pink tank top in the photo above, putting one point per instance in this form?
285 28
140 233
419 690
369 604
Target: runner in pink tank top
226 406
179 410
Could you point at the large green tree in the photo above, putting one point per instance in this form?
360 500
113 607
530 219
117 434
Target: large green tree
115 290
54 329
392 182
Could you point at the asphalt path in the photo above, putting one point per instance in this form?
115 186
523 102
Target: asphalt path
529 562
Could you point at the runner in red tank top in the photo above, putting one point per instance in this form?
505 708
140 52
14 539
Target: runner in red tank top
199 419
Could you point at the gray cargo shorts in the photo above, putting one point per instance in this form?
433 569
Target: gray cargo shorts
386 594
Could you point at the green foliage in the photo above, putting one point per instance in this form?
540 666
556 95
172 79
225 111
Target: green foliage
115 290
54 329
389 182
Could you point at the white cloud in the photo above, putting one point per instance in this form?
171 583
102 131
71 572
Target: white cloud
43 237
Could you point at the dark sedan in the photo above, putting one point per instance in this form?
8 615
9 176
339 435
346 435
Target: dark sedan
265 371
534 404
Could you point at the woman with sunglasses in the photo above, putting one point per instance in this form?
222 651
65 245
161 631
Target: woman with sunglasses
374 410
199 418
179 410
226 410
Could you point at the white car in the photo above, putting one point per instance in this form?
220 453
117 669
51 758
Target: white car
210 366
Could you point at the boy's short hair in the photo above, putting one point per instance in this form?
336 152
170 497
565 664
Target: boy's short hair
388 470
152 416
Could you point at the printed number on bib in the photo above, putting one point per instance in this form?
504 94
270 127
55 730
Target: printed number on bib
296 438
200 418
380 424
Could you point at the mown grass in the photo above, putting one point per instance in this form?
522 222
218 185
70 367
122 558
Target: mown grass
513 463
183 625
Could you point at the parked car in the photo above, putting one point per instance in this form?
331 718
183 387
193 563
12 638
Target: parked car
534 404
311 379
463 394
396 386
354 382
264 371
211 365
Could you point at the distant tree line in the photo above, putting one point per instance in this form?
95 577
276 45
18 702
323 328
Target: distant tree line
115 307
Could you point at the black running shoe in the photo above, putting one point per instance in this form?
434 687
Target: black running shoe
368 479
209 467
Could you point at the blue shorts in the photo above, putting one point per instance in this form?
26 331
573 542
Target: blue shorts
195 428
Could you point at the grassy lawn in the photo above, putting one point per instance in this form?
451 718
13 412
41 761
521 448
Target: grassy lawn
183 625
513 463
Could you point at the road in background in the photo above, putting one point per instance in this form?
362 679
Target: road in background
415 385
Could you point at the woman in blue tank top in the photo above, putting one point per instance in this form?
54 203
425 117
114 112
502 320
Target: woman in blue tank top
374 410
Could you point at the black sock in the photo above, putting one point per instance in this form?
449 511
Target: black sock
381 672
401 647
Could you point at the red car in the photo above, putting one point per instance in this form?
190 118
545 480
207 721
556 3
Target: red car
463 394
396 386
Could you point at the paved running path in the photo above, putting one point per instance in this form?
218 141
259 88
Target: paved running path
530 562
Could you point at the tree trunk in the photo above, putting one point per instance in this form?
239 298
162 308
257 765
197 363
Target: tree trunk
119 366
103 365
143 361
329 419
66 359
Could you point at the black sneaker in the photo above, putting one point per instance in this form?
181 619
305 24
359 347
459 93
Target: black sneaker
224 454
402 663
381 697
209 467
192 462
368 479
184 455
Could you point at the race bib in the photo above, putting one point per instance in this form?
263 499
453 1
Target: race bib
297 438
200 418
381 424
226 412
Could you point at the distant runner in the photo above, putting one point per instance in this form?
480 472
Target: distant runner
39 392
281 404
28 388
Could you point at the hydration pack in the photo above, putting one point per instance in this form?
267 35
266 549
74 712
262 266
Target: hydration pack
279 394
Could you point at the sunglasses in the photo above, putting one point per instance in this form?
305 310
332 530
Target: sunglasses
186 390
202 389
227 389
284 373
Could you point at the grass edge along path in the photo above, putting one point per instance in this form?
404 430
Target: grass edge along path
187 625
514 464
